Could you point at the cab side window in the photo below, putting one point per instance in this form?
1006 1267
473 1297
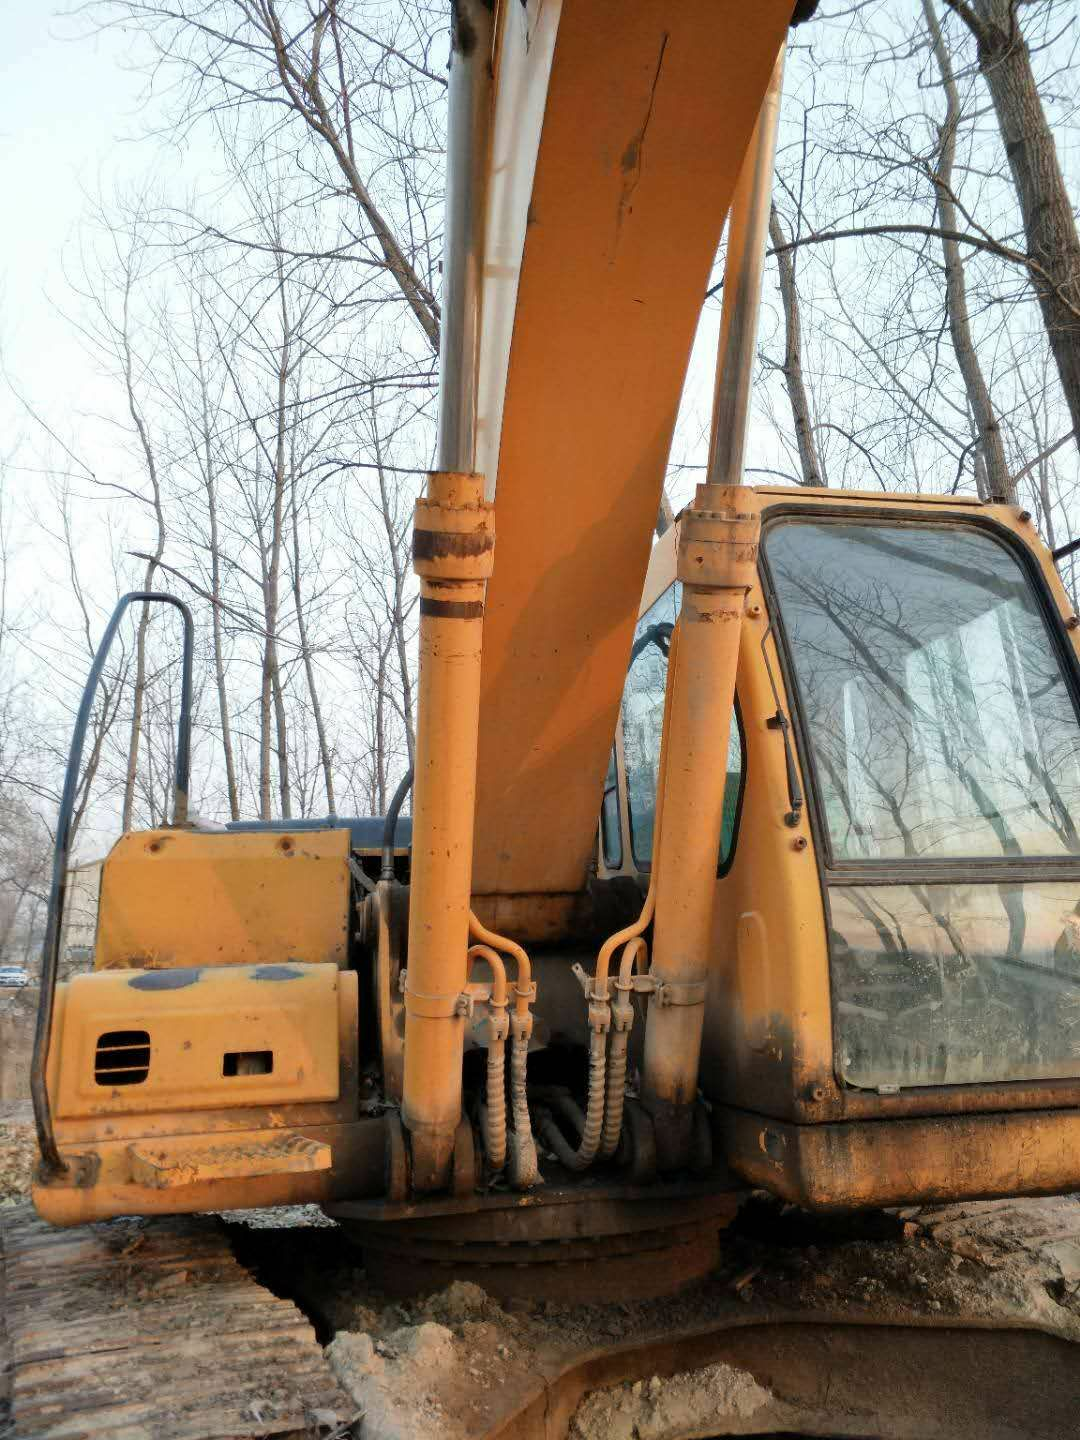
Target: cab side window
732 790
643 718
642 721
610 830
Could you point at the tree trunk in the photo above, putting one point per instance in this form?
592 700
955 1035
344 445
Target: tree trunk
397 618
271 679
813 471
135 734
991 450
210 481
1049 223
379 768
305 651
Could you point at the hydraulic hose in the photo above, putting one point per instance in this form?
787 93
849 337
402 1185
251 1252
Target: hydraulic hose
390 825
493 1115
524 1166
591 1123
623 1021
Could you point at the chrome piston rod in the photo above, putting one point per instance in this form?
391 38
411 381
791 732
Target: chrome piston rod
468 143
748 229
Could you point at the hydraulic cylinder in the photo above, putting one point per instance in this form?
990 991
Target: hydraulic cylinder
453 540
717 563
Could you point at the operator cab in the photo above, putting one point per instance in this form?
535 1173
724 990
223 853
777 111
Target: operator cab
906 943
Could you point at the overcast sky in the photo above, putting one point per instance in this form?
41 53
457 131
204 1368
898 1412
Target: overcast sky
64 105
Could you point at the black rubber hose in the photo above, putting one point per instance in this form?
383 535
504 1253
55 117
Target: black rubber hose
390 825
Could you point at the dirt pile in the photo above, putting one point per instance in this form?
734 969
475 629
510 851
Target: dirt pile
698 1402
393 1380
436 1368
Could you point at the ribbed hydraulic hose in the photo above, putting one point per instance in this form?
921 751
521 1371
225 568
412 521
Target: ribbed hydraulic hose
623 1021
526 1167
591 1123
494 1112
524 1163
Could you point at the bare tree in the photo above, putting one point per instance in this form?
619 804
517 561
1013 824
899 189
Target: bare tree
306 655
998 482
1049 219
111 288
813 471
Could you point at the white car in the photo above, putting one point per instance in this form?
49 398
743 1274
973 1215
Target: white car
13 977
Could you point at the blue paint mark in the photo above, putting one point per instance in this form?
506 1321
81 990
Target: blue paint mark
166 979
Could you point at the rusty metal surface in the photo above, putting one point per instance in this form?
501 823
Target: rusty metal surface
553 1196
570 1271
151 1329
566 1217
111 1186
604 1249
910 1161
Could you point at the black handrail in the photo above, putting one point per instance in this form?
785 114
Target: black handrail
390 825
51 1163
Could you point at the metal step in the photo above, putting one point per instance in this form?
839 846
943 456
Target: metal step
164 1165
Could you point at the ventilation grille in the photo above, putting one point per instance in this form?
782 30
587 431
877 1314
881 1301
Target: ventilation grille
122 1057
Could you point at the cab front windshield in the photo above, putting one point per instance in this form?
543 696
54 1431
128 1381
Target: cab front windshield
944 738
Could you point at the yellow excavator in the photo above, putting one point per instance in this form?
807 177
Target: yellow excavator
825 940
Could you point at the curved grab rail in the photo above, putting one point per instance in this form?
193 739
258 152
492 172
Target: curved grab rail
51 1163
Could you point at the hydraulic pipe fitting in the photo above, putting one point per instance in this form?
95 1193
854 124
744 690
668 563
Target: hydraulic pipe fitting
717 564
453 543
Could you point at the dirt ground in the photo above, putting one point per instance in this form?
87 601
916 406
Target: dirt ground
443 1366
18 1150
440 1368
